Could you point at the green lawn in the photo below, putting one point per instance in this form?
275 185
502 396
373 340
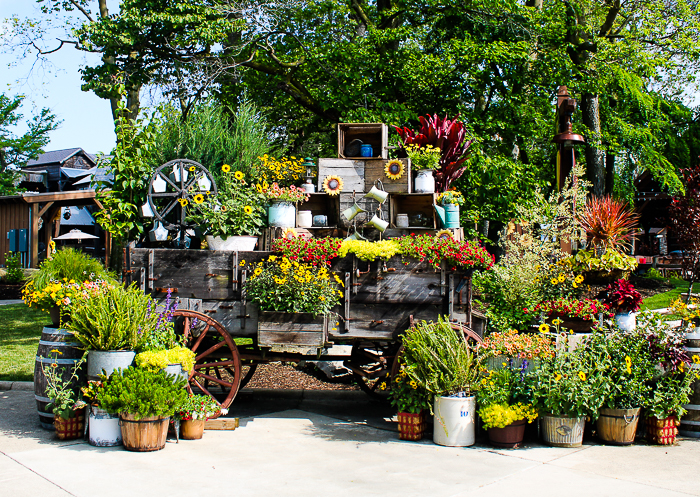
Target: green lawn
19 339
663 300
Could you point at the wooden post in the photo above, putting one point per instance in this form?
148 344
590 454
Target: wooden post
34 236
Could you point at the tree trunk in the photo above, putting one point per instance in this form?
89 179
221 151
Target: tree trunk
609 173
595 156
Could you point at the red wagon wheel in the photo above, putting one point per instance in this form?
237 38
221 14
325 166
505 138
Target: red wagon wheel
217 369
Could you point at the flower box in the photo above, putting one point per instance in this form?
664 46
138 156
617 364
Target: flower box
292 331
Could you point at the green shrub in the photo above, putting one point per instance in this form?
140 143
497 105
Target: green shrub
14 267
142 393
70 264
116 319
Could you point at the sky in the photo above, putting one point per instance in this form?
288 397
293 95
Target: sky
86 119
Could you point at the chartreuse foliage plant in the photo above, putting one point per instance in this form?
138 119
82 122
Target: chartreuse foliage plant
117 318
142 393
158 359
505 397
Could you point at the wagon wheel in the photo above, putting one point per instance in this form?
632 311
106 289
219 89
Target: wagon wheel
247 371
176 186
217 369
372 364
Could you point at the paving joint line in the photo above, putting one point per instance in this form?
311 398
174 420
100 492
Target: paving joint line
38 474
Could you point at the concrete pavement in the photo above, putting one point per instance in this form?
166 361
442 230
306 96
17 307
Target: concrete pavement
324 443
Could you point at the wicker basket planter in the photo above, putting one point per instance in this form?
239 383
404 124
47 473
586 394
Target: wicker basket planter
662 431
412 426
71 428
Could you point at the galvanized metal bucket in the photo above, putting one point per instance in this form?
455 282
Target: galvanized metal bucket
108 360
561 431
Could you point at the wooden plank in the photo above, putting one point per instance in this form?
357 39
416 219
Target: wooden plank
406 281
375 134
414 203
384 321
307 338
222 424
374 170
352 172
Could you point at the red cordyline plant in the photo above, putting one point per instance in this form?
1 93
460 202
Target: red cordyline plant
621 296
450 136
609 223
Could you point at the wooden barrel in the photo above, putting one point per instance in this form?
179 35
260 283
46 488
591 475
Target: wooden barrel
617 426
66 357
690 423
143 435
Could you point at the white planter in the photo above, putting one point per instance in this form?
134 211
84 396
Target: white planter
304 219
626 321
177 371
103 428
454 421
424 181
239 243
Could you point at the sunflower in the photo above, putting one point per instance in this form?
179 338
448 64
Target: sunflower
557 377
332 185
394 169
183 201
238 175
226 168
561 278
554 281
444 235
582 375
544 328
579 279
289 233
192 169
248 210
198 199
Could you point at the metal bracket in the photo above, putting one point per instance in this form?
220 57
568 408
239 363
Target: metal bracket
346 323
234 270
442 280
142 279
244 305
451 297
151 259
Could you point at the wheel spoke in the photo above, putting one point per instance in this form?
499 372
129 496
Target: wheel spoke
213 379
210 350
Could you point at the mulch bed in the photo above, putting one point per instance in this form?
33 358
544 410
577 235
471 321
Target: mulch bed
288 377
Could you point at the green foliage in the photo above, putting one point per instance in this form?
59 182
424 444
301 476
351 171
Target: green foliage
63 391
130 166
406 395
158 359
142 393
116 319
505 386
427 157
282 285
9 183
13 263
669 395
212 135
610 260
439 359
199 407
69 264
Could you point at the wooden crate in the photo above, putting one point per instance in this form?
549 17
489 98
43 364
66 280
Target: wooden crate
322 203
413 203
457 233
366 203
292 332
374 170
352 172
375 134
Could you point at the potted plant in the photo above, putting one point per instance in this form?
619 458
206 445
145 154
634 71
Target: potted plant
144 400
233 217
193 414
572 314
424 159
440 360
505 405
601 267
103 426
177 361
282 212
111 326
292 297
563 394
412 403
65 401
623 300
514 349
622 367
450 201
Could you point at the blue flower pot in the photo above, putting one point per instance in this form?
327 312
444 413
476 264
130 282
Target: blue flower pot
451 215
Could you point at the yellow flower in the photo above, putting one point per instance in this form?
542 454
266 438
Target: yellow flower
238 175
226 168
557 321
696 359
561 278
257 271
248 210
579 279
242 263
192 168
554 281
574 285
582 375
394 169
557 377
198 199
183 201
544 328
332 185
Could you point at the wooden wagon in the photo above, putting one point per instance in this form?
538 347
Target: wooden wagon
231 337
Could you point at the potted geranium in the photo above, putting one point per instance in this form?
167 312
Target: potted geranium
623 300
112 325
293 296
505 405
412 402
65 402
282 212
516 349
145 401
563 394
233 217
193 414
440 360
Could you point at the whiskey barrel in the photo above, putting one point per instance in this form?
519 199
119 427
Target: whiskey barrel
690 422
67 355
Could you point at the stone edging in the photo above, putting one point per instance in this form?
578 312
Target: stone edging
16 385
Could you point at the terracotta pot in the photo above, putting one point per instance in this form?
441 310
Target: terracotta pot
71 428
509 436
662 431
192 429
412 426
